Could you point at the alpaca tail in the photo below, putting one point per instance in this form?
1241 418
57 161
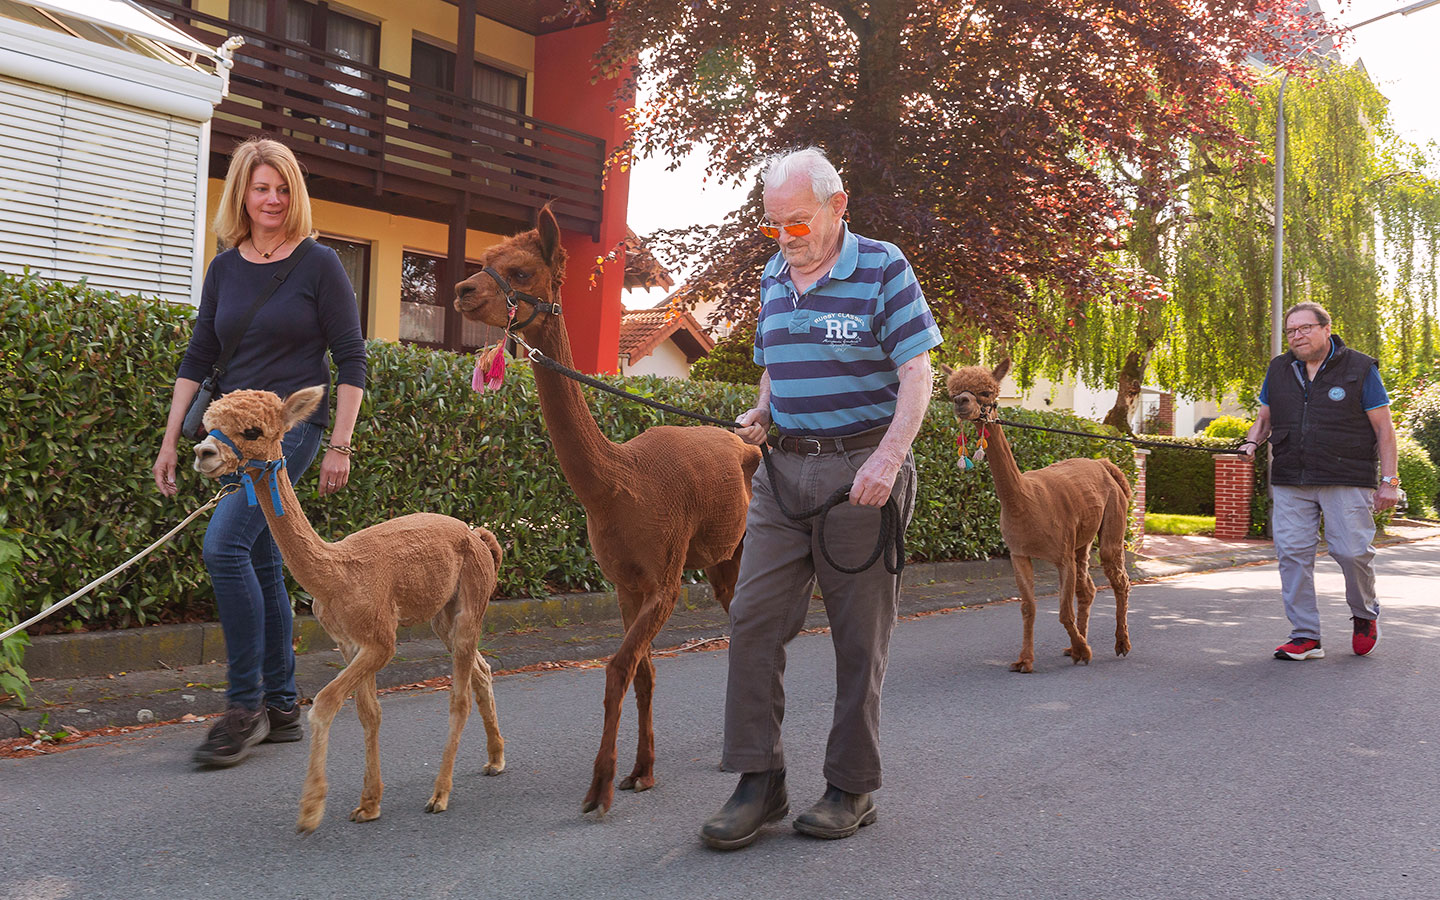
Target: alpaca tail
1119 478
490 541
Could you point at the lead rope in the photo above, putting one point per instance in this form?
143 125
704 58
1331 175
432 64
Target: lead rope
891 540
224 492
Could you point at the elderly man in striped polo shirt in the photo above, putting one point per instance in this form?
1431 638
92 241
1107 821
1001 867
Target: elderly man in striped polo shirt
843 335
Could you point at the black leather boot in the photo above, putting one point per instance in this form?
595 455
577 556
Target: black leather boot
839 814
759 798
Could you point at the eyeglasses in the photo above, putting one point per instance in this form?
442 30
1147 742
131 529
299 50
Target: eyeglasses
1301 330
799 229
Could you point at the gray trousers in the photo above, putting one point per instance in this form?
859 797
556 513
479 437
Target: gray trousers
778 571
1349 533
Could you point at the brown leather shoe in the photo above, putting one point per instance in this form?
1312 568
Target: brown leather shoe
839 814
759 798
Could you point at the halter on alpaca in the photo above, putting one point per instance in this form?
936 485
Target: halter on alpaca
270 467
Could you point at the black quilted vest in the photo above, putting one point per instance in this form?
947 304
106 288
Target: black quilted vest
1320 432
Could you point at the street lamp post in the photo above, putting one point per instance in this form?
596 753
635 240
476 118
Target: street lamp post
1277 282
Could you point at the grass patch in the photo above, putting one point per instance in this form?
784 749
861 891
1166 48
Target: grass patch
1174 523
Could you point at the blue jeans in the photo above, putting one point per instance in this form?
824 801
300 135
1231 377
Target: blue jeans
249 580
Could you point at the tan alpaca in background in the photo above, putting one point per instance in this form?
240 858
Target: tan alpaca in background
401 572
1054 514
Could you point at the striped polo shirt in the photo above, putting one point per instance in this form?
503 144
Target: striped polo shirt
832 352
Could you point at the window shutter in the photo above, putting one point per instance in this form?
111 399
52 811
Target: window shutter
97 190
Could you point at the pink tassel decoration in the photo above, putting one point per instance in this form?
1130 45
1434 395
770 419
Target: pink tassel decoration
489 370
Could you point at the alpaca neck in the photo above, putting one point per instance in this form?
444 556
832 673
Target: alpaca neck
587 457
1008 485
305 554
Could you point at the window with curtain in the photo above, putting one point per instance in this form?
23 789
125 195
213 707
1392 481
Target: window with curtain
432 66
355 257
423 306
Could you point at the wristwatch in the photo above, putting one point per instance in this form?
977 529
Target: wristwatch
1392 480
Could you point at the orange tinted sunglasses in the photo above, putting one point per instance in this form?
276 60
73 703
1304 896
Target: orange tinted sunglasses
799 229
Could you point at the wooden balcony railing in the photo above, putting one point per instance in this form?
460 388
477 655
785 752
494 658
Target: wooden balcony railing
372 134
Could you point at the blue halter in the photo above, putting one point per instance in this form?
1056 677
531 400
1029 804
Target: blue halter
267 467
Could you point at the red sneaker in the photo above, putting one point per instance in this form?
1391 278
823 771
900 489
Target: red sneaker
1300 648
1367 634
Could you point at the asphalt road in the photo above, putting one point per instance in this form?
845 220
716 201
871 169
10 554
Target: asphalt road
1199 767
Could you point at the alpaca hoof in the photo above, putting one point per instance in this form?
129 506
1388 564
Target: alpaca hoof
598 800
437 804
1021 666
1079 655
636 783
364 814
307 824
493 768
1122 647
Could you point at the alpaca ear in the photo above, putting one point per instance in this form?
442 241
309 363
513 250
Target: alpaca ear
549 235
1001 370
947 370
299 405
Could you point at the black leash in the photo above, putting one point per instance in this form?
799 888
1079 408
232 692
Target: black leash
891 541
1138 443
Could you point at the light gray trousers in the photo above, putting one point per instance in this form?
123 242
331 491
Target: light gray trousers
778 572
1349 535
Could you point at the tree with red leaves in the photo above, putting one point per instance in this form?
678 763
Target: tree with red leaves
985 138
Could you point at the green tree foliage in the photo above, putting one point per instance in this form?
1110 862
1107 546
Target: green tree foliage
1422 420
1232 427
970 134
1417 475
731 360
1361 205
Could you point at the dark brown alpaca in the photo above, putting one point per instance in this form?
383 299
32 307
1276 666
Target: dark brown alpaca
669 499
1054 514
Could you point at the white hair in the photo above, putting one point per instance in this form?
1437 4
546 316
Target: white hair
810 162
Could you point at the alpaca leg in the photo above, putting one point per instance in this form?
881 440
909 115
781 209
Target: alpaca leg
1112 558
1084 591
1079 649
482 685
464 638
618 675
642 778
367 704
1025 580
366 662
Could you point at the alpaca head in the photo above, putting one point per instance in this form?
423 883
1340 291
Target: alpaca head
973 389
256 421
533 262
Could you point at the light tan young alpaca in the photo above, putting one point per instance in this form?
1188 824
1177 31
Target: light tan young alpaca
1054 514
400 572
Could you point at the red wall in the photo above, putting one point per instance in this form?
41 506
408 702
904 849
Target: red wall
565 95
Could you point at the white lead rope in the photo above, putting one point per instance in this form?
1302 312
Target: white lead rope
225 491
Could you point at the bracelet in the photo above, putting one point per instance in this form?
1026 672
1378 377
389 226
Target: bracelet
341 448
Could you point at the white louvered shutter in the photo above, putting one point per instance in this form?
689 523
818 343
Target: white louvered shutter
97 190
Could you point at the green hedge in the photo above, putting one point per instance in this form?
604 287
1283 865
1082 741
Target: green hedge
1417 475
1181 480
85 381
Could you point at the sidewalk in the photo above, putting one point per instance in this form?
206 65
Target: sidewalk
88 681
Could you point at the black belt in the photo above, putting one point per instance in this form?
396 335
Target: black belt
814 446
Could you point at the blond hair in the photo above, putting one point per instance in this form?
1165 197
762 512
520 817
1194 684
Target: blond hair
232 222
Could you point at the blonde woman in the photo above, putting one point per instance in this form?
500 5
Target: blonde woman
264 218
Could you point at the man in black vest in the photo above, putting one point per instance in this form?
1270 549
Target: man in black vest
1327 415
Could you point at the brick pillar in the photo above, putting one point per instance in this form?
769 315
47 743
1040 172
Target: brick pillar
1137 497
1234 484
1165 415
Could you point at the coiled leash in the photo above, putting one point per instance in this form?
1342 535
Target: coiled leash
891 540
224 492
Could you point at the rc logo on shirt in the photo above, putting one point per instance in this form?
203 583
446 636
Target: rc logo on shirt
1337 394
840 328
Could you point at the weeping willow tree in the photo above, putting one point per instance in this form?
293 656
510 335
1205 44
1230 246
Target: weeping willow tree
1362 226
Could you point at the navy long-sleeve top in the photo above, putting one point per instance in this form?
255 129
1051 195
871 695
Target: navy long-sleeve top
284 348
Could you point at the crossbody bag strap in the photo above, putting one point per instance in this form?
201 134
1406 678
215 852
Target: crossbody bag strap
277 279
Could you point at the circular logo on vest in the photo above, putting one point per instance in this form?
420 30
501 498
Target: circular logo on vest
1337 394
